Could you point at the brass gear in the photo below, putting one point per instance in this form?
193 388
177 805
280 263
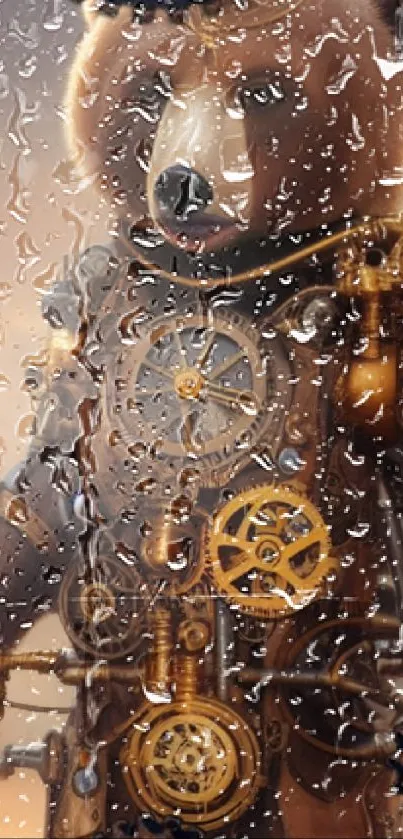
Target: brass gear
198 758
269 551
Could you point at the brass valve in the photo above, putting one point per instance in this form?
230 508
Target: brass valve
366 391
193 636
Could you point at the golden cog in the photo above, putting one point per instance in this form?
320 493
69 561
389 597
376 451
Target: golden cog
268 551
198 758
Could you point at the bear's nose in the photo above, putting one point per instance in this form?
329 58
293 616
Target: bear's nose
179 191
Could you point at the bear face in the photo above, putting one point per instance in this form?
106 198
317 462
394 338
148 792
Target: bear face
231 123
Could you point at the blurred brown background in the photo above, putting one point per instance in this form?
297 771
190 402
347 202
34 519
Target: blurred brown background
44 219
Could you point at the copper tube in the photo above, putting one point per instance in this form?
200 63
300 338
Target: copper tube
374 227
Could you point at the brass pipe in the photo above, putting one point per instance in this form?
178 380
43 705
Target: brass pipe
158 664
370 326
292 678
187 677
77 674
69 671
41 662
375 227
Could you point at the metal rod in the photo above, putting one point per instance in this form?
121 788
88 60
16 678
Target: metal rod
70 671
293 678
222 648
393 536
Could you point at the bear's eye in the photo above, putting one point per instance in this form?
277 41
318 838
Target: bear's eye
261 94
147 93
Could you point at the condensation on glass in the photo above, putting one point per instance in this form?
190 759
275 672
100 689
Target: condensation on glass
201 312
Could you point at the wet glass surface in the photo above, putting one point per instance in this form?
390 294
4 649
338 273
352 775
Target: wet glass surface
201 401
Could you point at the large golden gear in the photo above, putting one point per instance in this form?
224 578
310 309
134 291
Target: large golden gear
196 758
269 551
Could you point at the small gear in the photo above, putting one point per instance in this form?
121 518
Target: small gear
269 551
103 609
198 758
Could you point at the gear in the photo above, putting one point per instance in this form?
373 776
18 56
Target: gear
328 718
103 610
197 391
253 630
268 551
198 758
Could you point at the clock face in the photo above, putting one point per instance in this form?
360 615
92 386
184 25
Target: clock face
201 390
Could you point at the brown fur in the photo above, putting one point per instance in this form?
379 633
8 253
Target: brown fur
306 161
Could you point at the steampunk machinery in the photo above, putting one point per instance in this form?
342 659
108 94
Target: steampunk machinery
222 523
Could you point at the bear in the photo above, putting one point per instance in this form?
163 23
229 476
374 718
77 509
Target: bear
182 411
289 125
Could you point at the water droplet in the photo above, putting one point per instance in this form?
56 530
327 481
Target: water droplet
26 427
4 383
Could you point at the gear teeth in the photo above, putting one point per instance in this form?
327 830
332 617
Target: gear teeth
277 605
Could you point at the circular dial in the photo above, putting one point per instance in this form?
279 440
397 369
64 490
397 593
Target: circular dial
199 758
103 609
269 551
334 720
197 390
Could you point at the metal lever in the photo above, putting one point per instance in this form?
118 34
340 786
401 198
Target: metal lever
45 757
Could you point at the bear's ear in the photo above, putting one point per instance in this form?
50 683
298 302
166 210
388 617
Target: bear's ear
90 9
387 9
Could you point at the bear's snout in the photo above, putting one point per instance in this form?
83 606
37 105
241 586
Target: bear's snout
181 200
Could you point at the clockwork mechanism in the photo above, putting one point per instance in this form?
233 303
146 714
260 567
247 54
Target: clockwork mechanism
199 759
198 390
269 551
103 609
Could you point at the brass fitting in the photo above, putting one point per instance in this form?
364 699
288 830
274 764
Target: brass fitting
366 391
187 677
194 635
158 666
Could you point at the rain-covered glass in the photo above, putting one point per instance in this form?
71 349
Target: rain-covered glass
201 402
